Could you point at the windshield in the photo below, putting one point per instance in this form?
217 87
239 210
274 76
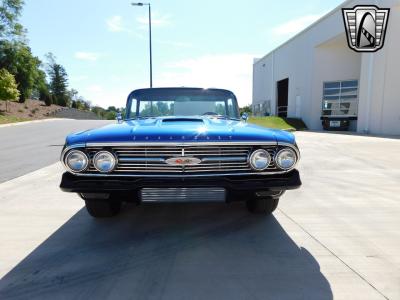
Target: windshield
147 103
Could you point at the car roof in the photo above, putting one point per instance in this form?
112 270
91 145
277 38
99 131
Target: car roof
156 91
180 88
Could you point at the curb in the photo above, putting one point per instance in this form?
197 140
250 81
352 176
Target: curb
30 122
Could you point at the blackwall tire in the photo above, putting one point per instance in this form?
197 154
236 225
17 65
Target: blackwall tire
100 208
264 205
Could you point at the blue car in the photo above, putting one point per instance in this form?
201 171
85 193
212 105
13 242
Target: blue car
179 145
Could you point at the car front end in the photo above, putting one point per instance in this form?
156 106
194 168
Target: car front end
162 152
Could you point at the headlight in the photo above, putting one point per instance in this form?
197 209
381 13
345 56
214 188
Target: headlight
76 161
104 161
259 160
285 159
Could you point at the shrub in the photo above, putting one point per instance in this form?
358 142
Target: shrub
8 87
111 115
44 95
47 98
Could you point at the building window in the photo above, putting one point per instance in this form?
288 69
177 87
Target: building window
340 98
262 109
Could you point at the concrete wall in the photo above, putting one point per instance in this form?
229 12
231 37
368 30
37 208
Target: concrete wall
332 61
379 108
320 53
295 60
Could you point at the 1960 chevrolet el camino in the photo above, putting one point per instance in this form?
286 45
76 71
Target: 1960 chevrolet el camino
180 144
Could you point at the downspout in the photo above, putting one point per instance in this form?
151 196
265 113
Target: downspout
369 91
273 87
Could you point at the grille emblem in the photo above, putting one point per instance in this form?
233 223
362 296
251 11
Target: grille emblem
183 161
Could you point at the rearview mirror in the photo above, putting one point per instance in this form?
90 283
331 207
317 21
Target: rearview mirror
245 116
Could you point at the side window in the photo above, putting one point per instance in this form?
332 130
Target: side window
231 107
132 113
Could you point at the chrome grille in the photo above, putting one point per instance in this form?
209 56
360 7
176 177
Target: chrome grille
182 194
151 159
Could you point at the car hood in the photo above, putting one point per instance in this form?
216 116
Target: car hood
182 129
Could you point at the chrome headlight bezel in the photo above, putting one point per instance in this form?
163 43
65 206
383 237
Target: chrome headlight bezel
113 161
68 165
280 153
253 157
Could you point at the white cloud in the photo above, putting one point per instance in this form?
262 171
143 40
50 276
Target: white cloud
294 26
157 20
91 56
115 24
229 71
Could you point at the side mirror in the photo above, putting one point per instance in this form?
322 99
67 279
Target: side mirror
245 116
119 117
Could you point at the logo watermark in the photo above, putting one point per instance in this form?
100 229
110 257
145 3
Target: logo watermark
365 27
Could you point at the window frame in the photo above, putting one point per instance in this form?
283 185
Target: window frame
134 99
339 101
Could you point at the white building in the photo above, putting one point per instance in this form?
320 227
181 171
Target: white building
317 62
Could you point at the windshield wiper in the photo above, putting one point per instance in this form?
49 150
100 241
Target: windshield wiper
222 117
141 118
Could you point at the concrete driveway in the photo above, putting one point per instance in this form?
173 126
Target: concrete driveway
336 237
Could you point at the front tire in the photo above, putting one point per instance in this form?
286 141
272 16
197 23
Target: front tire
264 205
102 208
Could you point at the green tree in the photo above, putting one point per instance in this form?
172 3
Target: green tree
86 104
8 86
245 109
42 88
10 11
112 108
99 111
17 58
58 81
74 96
110 115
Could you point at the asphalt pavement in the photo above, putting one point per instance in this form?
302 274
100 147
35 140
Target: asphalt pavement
337 237
27 147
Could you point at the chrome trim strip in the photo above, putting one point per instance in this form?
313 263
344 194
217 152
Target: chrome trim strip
224 159
226 143
181 175
141 159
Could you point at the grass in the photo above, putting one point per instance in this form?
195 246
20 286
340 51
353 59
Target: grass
289 124
11 119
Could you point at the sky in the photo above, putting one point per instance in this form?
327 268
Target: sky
103 44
